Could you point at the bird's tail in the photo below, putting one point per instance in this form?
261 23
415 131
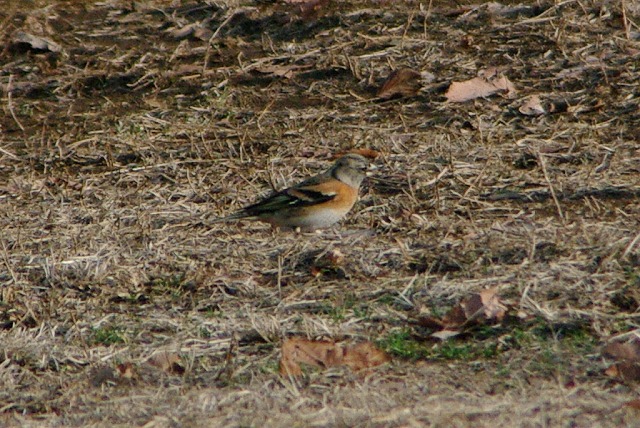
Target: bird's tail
234 216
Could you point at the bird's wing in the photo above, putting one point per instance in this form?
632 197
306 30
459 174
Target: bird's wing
293 197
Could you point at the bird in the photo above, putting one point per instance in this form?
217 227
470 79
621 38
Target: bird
315 203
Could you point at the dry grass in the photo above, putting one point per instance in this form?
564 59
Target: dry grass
113 149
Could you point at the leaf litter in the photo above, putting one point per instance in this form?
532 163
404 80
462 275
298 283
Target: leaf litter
324 354
488 82
475 309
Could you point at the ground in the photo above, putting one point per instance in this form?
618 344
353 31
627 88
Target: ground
128 126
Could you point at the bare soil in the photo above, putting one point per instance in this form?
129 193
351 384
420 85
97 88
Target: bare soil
144 120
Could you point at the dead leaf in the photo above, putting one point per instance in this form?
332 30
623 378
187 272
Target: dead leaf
487 83
612 371
429 321
296 351
168 362
446 334
484 306
35 42
624 371
627 359
629 351
329 262
475 309
634 404
315 271
402 82
497 78
456 317
125 370
532 107
335 257
364 355
477 87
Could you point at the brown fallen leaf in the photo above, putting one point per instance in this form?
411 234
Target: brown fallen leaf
532 107
634 404
125 370
628 351
364 355
627 359
20 38
472 310
429 321
497 78
477 87
484 306
335 257
487 83
168 362
328 263
402 82
624 371
446 334
456 317
296 351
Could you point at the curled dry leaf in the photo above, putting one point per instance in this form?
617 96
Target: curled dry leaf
477 87
634 404
168 362
35 42
330 261
446 334
629 351
125 370
484 306
487 83
335 257
627 360
402 82
456 317
475 309
532 107
364 355
296 351
624 371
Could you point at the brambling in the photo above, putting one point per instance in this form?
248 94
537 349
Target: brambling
315 203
